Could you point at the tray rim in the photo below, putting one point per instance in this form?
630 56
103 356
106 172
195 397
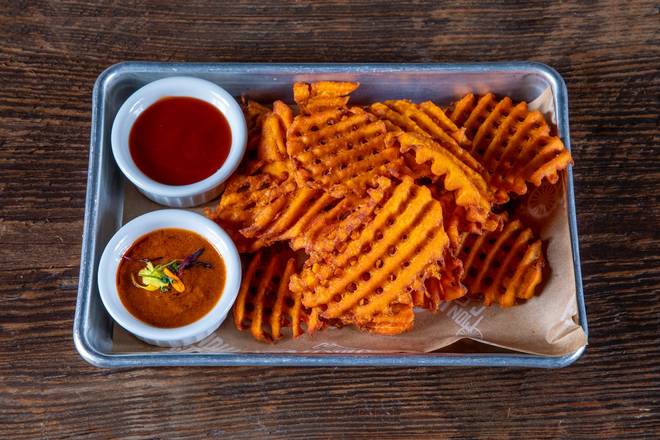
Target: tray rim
85 286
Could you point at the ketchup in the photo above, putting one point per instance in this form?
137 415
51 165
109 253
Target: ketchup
180 140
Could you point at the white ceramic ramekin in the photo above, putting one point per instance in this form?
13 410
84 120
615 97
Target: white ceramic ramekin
184 195
168 218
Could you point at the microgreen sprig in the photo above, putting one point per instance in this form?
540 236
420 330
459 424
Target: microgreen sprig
164 276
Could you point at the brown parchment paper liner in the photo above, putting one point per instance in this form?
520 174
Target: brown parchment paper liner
545 325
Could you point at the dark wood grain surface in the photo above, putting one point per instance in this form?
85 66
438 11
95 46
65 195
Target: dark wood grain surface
50 55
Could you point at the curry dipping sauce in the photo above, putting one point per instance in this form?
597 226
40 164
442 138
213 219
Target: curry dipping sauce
170 278
180 140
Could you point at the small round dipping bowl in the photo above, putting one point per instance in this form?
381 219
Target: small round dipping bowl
124 239
180 196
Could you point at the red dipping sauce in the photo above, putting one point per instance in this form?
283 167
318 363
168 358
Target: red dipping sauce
180 140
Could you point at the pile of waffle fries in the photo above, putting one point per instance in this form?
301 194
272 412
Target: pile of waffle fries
362 215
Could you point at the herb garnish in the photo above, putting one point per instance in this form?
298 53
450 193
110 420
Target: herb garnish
164 276
191 260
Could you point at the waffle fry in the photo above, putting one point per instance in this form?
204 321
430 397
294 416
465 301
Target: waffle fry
266 133
250 204
279 212
455 217
331 227
512 143
272 142
471 190
310 232
340 150
427 119
389 256
265 305
502 266
447 287
322 95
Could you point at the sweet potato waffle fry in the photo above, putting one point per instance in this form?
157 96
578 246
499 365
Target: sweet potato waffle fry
388 256
322 95
272 142
426 119
254 115
511 142
265 305
249 205
455 216
503 266
311 233
447 286
340 149
262 210
362 216
472 191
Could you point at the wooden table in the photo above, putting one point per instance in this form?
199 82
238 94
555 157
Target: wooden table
50 55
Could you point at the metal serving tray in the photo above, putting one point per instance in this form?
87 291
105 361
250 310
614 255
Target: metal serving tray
92 329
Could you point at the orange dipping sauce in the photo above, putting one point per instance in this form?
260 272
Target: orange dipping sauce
203 285
180 140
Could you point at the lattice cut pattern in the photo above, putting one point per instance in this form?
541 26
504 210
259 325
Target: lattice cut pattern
394 245
503 266
340 150
313 231
514 144
251 204
426 119
265 305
